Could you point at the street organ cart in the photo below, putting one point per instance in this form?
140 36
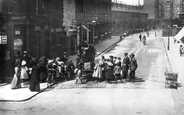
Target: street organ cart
86 59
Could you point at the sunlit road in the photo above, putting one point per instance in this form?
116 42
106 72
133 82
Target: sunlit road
147 96
151 60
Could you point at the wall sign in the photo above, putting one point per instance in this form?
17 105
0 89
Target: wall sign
3 39
17 32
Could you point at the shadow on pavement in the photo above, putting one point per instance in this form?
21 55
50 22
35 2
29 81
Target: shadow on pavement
139 79
179 85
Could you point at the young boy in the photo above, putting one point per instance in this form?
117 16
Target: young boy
78 73
117 72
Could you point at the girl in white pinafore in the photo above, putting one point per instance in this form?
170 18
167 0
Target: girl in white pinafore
23 71
16 78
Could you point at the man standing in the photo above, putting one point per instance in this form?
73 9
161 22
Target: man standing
125 66
133 67
64 58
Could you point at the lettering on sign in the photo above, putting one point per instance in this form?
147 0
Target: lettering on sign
17 32
3 39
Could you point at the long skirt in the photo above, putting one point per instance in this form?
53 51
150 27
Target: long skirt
15 82
23 74
109 74
34 86
43 76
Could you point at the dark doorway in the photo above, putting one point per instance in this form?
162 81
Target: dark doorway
2 61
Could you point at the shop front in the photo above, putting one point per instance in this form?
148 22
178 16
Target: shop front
3 42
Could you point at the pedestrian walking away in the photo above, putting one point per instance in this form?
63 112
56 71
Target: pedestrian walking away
181 50
144 40
140 37
133 67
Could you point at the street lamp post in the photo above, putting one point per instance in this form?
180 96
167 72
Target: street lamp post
171 11
148 23
93 24
168 47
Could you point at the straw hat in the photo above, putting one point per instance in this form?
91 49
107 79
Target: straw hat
109 63
60 62
23 63
50 61
25 52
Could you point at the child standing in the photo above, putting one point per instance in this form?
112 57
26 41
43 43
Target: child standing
16 78
78 72
23 72
117 72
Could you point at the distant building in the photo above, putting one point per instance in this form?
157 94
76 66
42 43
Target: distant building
182 13
176 8
159 13
128 18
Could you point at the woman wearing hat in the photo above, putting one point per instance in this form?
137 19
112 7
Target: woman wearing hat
109 71
34 82
97 74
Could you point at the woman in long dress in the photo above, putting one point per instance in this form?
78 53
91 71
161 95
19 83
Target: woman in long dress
43 69
97 74
16 78
34 82
109 71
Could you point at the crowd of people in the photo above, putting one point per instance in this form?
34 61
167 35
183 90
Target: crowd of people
33 70
114 69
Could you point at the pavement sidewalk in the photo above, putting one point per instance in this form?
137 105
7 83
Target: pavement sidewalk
24 94
176 63
18 95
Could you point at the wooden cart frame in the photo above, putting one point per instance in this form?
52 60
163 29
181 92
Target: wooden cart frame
171 79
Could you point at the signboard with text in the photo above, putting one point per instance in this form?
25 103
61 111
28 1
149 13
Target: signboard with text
3 39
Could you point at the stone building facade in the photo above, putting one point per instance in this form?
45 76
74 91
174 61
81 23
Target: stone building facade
34 26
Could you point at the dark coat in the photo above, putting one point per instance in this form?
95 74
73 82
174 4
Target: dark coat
64 59
109 72
35 74
125 63
133 64
34 82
